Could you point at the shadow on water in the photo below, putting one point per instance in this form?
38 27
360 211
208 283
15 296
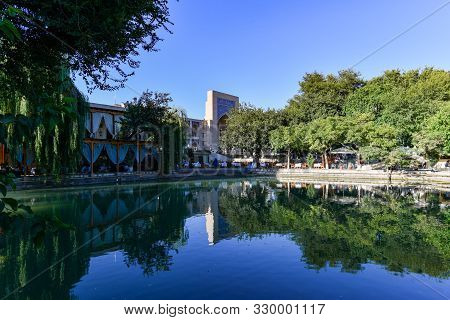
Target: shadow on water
403 229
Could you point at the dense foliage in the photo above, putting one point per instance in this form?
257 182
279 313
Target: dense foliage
99 40
405 100
433 138
61 234
322 96
163 125
145 113
43 45
248 129
394 118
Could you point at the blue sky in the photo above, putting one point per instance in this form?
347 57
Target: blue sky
260 49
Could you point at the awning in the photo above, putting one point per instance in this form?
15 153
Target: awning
243 160
342 151
269 160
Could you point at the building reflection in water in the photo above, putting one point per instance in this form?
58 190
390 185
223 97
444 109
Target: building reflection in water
147 223
206 201
103 228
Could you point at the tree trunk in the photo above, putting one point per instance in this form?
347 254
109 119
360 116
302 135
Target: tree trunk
256 157
171 155
325 158
161 156
117 157
359 194
138 160
289 158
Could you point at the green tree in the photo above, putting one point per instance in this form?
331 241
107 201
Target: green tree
324 133
433 140
359 127
405 100
175 124
16 129
289 138
322 96
248 128
310 160
39 52
97 39
381 140
145 113
21 124
398 158
164 125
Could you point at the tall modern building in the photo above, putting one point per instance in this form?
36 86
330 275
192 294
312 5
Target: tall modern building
203 136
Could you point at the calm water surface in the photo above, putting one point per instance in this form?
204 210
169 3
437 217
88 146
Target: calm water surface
246 239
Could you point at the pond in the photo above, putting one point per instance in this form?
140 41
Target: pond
228 239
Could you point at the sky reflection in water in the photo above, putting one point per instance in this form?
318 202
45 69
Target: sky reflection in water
234 239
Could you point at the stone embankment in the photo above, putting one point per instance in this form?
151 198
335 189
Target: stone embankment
39 182
438 178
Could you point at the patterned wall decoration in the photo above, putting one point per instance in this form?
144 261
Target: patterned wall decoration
223 106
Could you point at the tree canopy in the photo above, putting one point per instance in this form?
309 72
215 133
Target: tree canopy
164 125
402 99
322 96
145 113
433 139
43 45
99 40
378 119
248 128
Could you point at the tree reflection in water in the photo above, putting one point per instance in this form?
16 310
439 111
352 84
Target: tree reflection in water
404 229
95 222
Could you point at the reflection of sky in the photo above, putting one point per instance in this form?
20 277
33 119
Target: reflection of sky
269 267
211 260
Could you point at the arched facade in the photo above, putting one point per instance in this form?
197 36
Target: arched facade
203 135
217 106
